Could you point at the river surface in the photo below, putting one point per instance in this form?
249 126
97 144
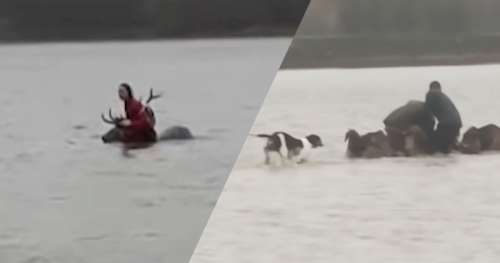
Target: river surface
66 197
333 209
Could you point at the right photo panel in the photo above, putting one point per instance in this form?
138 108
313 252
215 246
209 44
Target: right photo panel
379 141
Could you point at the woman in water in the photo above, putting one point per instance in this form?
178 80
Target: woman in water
138 124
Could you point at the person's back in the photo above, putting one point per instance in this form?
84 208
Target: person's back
442 107
449 120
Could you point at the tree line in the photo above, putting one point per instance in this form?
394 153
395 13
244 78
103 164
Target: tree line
440 17
54 19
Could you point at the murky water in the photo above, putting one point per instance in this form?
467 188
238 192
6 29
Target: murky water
332 209
66 197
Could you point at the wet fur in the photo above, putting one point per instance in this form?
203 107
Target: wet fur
115 135
283 144
411 142
416 142
476 140
369 145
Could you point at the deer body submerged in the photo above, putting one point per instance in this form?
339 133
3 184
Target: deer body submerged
172 133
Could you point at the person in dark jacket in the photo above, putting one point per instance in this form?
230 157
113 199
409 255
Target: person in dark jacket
445 136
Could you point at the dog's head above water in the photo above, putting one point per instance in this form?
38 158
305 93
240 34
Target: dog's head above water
471 142
351 134
315 140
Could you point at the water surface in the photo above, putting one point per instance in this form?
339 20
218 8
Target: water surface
67 197
332 209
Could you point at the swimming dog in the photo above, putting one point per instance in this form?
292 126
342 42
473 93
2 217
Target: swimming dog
284 144
476 140
370 145
416 142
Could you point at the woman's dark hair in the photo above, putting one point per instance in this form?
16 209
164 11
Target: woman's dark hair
128 88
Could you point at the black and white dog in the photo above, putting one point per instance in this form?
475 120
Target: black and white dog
284 144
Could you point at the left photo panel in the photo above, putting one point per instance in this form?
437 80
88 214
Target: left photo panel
122 120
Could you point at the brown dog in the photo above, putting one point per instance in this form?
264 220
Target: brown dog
476 140
416 142
370 145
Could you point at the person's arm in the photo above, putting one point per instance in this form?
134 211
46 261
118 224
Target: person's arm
139 121
428 101
125 123
135 115
432 102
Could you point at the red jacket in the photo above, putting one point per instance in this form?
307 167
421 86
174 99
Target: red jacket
136 113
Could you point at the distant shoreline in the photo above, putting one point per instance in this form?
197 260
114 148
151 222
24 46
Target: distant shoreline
358 52
254 32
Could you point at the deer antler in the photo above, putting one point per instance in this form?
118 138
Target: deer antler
111 119
152 96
